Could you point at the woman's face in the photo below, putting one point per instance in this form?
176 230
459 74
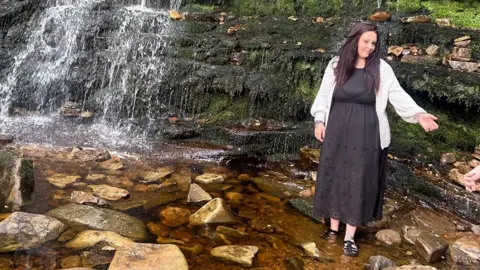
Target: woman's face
366 44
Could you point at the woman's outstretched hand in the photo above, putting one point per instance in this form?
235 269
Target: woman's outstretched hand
427 121
320 132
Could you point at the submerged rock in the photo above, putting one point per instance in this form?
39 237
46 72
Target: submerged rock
90 238
62 180
174 216
311 249
411 267
149 257
215 211
83 197
108 192
100 219
242 255
156 176
24 231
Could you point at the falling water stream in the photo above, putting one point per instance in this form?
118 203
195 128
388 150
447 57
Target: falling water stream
110 62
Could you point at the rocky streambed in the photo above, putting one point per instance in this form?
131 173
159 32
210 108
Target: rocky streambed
100 210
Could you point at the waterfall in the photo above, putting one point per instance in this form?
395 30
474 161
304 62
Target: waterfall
109 60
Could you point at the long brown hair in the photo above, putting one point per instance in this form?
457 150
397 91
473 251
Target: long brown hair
348 55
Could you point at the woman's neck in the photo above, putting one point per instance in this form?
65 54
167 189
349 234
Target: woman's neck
360 62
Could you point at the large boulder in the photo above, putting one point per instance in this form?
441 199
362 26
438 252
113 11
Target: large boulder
24 231
16 181
149 257
100 219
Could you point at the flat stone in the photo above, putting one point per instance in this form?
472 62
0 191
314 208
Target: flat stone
100 219
111 165
90 238
230 232
430 221
95 177
462 44
22 231
108 192
209 178
62 180
410 234
242 255
83 197
157 176
214 211
463 66
462 39
430 247
149 257
432 50
197 194
379 263
389 237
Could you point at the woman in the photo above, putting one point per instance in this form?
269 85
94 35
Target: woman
351 121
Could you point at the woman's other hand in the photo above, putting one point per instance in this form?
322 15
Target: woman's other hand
427 121
320 131
471 179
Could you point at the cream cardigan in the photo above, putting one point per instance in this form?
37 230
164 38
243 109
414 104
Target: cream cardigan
390 91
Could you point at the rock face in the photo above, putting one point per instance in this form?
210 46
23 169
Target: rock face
242 255
100 219
16 180
214 211
149 257
23 231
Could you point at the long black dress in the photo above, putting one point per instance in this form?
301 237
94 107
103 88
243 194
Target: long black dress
351 173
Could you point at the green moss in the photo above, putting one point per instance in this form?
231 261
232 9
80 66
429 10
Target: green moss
409 140
464 13
27 178
407 6
198 8
304 91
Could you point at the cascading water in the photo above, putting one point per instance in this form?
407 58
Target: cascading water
107 56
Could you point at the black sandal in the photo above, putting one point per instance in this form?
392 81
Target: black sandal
350 248
330 234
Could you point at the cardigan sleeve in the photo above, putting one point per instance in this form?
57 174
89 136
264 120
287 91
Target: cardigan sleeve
403 103
321 104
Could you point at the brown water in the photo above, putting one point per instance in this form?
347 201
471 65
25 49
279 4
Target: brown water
257 206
